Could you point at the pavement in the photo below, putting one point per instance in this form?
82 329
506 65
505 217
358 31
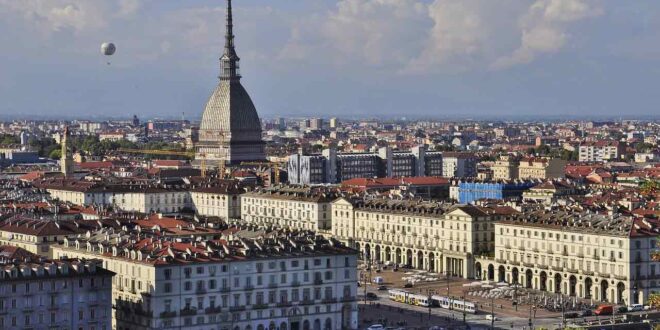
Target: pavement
399 315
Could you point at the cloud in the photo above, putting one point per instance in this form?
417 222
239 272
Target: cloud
459 30
544 29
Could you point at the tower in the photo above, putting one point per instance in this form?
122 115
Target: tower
230 131
66 160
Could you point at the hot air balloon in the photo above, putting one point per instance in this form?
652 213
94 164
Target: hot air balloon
108 48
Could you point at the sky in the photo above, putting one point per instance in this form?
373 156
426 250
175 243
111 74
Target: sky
348 58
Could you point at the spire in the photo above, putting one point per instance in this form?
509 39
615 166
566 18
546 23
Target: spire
229 69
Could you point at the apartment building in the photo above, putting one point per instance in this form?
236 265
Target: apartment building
37 235
505 168
137 197
541 168
333 167
602 150
460 165
277 280
36 293
223 201
292 207
438 237
602 257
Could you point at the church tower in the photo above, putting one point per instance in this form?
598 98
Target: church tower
230 131
66 159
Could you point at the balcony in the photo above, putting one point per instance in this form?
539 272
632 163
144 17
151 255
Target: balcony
580 255
295 283
225 289
188 312
572 270
329 300
200 291
528 265
500 261
236 308
248 287
318 281
213 310
259 306
306 301
535 250
612 259
515 263
550 251
347 299
588 272
605 275
284 304
542 266
507 246
620 277
521 248
557 268
168 315
564 253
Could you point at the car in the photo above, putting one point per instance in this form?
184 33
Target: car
376 327
586 312
571 315
408 285
636 308
622 309
604 310
491 317
372 296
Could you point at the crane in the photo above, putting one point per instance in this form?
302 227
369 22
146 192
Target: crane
191 154
274 166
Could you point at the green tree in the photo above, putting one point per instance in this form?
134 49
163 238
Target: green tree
55 154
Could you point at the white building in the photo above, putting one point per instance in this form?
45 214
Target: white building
432 236
462 165
601 151
217 201
289 207
275 281
607 258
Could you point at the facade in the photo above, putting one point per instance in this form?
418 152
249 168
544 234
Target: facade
505 168
138 198
289 207
606 258
437 237
270 281
599 151
459 165
541 168
333 167
60 294
230 131
218 201
37 235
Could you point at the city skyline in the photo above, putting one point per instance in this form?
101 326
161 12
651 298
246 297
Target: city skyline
324 58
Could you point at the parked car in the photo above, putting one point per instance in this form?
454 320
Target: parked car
491 317
636 308
571 315
604 310
408 285
622 309
586 312
382 288
376 327
371 296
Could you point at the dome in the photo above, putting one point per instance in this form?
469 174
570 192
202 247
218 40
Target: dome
230 111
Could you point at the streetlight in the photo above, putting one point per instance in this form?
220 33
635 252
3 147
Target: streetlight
492 312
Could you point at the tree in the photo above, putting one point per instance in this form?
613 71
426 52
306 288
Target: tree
55 154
